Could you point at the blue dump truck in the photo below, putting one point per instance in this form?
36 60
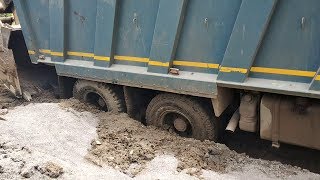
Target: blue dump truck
185 65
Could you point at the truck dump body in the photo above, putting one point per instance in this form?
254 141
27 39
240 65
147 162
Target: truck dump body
263 45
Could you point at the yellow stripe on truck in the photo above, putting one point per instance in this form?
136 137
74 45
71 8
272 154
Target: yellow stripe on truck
195 64
80 54
288 72
159 63
265 70
60 54
233 69
102 58
131 58
45 51
283 71
31 52
52 53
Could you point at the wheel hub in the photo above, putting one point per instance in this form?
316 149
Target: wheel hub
180 125
101 102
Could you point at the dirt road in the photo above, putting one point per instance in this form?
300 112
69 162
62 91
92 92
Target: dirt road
68 140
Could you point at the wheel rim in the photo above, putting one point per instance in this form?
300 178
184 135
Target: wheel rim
97 100
178 123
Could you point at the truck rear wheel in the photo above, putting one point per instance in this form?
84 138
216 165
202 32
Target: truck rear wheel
183 115
107 98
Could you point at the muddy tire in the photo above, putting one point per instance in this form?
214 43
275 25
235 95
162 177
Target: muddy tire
184 115
107 98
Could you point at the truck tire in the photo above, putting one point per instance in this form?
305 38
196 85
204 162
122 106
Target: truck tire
107 98
184 115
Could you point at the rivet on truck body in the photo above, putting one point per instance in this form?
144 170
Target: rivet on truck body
206 22
303 22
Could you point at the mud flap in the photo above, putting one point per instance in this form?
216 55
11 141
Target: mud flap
8 69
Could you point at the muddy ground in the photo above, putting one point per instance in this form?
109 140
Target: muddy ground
129 145
66 139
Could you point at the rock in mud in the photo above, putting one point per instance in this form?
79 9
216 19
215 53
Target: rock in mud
193 171
51 169
134 169
27 172
3 111
98 142
1 170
